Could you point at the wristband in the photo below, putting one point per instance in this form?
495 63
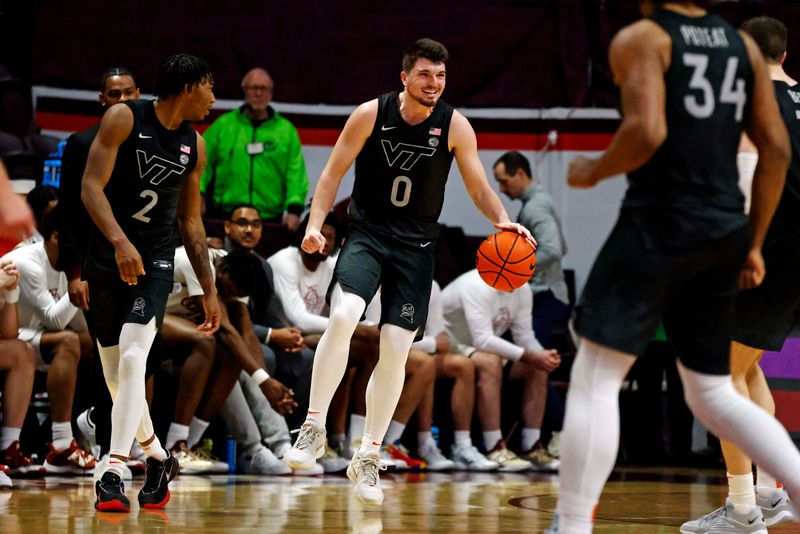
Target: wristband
12 296
268 337
259 376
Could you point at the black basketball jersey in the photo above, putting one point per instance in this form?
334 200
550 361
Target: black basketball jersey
144 189
787 217
708 89
401 172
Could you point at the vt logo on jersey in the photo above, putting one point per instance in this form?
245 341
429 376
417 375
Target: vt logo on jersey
407 155
156 169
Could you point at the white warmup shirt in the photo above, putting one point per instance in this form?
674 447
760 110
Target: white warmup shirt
185 284
476 314
301 293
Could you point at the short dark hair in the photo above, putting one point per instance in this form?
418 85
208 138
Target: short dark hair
243 205
514 161
38 199
180 71
424 48
48 223
247 272
115 71
769 34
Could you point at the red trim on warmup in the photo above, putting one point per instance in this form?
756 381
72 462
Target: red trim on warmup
585 142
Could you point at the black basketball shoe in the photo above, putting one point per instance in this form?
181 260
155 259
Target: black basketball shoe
111 494
155 493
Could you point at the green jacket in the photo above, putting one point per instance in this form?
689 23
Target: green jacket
273 180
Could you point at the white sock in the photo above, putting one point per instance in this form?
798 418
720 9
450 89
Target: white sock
590 438
196 430
175 434
386 382
394 432
134 345
369 445
425 441
330 358
62 435
462 438
8 435
116 466
491 438
766 484
155 450
356 427
742 492
734 418
529 438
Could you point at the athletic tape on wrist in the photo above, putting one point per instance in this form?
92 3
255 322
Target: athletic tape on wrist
12 296
259 376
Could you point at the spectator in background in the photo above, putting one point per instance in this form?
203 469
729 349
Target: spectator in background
17 361
538 214
476 316
57 332
254 157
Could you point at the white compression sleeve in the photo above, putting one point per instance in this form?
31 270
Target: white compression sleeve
590 439
134 345
746 164
330 358
734 418
386 382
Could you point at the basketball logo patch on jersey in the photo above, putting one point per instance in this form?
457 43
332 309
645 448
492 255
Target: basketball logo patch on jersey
138 306
184 159
407 312
433 141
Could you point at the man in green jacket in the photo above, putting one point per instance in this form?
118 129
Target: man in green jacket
254 157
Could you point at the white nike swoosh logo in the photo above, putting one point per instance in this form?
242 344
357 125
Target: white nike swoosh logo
142 136
385 128
425 244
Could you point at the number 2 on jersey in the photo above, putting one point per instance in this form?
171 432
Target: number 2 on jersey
141 215
732 91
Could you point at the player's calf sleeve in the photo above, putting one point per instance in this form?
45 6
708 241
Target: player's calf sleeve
590 438
734 418
134 345
109 357
330 358
386 382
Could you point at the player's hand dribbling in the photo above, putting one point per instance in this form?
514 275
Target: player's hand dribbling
213 316
313 241
580 172
129 262
519 229
753 271
546 359
279 396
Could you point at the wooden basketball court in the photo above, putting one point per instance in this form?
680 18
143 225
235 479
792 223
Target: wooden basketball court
643 501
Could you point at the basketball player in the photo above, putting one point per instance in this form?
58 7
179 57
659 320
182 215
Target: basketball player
689 84
403 145
142 177
765 315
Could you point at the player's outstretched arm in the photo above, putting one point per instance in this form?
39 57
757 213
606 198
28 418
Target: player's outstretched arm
639 56
464 144
193 236
115 128
350 142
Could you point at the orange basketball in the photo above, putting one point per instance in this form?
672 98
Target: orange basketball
505 260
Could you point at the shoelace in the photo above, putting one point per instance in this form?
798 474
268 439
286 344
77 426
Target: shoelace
714 515
369 468
308 434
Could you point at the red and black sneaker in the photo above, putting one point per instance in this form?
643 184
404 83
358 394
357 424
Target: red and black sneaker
155 492
111 494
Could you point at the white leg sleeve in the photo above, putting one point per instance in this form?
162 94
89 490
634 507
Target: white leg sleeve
109 358
330 358
734 418
386 382
130 406
590 439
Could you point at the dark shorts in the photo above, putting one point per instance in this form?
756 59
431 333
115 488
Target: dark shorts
402 268
767 314
114 303
633 286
